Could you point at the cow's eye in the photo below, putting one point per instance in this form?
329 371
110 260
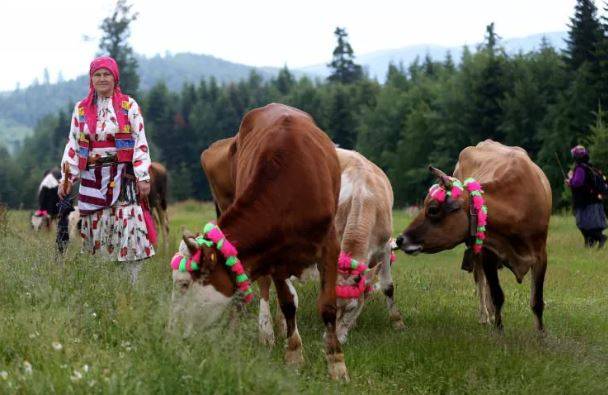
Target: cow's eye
433 211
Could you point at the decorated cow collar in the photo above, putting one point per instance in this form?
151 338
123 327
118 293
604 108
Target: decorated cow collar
478 211
212 235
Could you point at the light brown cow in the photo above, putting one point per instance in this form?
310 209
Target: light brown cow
280 226
518 198
158 199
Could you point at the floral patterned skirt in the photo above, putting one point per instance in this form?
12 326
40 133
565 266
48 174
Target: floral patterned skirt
117 233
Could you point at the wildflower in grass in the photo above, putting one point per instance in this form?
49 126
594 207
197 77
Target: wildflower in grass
27 367
57 346
77 376
4 375
85 368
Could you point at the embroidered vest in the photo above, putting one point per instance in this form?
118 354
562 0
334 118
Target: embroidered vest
123 140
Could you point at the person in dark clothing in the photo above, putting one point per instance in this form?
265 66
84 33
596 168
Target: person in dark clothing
587 202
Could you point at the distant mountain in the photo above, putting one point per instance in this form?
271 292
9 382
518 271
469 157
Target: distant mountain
376 63
21 109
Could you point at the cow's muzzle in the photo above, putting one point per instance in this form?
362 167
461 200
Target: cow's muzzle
406 245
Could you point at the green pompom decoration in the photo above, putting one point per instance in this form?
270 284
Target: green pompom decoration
202 241
481 229
484 209
249 290
478 241
469 180
241 277
182 265
208 227
475 193
231 261
220 244
194 265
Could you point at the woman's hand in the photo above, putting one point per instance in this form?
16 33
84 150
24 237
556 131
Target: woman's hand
143 189
64 191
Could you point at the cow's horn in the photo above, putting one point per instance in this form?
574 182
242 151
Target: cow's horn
188 238
443 178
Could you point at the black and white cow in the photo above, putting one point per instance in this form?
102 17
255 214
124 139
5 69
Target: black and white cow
47 200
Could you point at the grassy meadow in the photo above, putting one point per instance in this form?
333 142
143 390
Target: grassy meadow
78 326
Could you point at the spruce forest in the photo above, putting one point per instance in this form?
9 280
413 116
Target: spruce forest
425 113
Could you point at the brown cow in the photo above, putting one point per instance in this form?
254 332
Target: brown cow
363 221
287 182
158 199
518 199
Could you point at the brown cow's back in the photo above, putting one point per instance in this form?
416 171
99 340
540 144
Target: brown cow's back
287 182
217 165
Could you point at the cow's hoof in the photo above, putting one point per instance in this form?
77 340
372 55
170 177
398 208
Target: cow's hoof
398 325
294 357
337 368
267 339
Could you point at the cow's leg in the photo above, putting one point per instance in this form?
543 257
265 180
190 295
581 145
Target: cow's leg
490 269
536 294
486 307
266 333
328 268
165 227
386 284
288 303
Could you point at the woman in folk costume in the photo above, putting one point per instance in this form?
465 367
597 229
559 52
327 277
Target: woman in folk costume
107 150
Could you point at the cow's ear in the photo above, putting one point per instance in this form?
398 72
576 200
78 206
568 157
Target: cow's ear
451 205
188 238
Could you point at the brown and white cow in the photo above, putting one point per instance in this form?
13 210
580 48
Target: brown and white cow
47 210
287 183
518 199
363 223
158 199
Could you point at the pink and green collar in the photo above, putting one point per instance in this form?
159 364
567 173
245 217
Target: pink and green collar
478 206
212 235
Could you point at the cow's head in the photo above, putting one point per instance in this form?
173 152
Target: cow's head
40 220
440 225
209 289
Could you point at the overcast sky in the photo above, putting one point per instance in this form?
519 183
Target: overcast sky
35 35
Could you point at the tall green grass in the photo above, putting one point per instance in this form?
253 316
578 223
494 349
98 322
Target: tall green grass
78 326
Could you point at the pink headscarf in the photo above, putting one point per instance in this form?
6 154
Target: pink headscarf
89 103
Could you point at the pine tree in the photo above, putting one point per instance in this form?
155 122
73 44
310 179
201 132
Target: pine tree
598 141
284 81
116 31
344 68
584 35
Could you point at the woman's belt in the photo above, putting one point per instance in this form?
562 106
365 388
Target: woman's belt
98 161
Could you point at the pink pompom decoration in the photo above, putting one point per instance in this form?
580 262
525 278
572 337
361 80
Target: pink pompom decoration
481 235
477 202
438 194
474 186
175 261
244 286
344 261
237 268
482 218
477 248
249 298
393 257
456 192
228 249
215 235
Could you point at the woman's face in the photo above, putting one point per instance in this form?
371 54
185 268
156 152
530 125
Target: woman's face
103 82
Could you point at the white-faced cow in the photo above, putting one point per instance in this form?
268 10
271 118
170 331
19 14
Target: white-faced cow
511 231
47 201
287 182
